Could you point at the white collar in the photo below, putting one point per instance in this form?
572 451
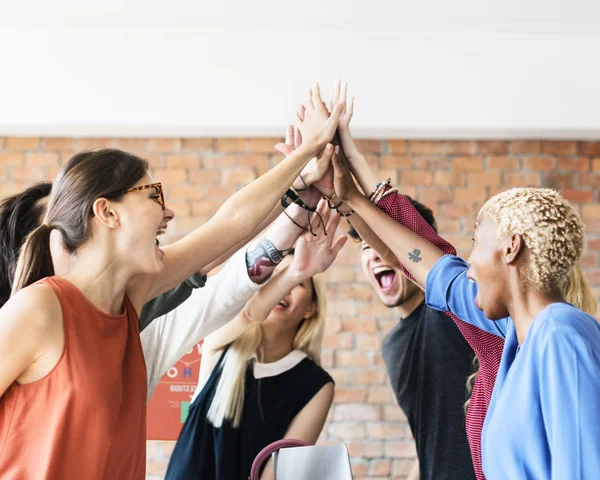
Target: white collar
263 370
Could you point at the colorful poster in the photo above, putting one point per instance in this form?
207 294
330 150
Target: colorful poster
171 399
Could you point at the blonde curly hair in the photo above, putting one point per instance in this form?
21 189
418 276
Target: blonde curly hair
551 230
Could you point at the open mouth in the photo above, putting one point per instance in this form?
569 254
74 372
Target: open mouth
161 231
385 276
282 305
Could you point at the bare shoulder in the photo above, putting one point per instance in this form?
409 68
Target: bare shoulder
35 309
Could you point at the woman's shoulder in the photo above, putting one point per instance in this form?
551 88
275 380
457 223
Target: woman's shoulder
315 372
564 324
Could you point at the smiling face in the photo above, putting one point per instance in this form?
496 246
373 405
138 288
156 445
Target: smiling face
488 270
294 307
391 285
143 220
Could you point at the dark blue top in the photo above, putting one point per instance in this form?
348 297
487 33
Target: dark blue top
270 404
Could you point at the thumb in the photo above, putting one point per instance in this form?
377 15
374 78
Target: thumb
338 244
284 148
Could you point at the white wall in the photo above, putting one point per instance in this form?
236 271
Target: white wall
433 69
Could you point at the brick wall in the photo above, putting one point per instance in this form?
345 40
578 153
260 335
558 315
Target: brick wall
453 178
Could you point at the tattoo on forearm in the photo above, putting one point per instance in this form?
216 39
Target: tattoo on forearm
415 255
264 255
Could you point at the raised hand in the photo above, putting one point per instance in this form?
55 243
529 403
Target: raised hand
340 92
315 253
316 124
344 185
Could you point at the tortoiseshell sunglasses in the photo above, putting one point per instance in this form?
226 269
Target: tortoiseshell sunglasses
157 186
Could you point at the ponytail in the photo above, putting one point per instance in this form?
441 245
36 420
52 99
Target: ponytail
35 261
577 291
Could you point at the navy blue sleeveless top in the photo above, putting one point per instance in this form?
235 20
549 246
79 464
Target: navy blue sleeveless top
270 404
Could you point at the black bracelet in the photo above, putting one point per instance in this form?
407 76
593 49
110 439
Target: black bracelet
303 183
289 197
295 222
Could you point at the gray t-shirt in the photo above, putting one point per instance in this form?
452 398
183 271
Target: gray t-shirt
428 362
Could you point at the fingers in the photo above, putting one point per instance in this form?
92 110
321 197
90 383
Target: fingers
343 91
289 135
324 160
334 222
297 137
301 110
309 99
338 244
350 108
283 148
316 96
335 96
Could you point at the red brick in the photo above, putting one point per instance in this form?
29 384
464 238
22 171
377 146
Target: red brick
222 192
139 146
233 144
382 395
369 146
368 343
359 467
589 260
393 412
369 377
590 211
539 163
468 164
381 468
559 148
263 145
3 173
341 341
180 207
27 174
421 147
385 430
344 358
204 177
359 325
84 144
449 178
357 411
429 195
12 159
218 161
155 160
187 160
586 179
589 148
579 195
492 147
579 163
559 181
521 179
401 468
347 430
526 146
164 145
362 292
395 161
397 146
446 226
339 274
596 165
350 395
400 449
416 177
172 176
341 376
457 211
503 163
21 143
239 176
42 160
262 163
390 173
491 179
184 192
459 147
469 195
593 275
197 144
58 144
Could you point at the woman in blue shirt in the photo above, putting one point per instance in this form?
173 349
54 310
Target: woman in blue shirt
543 418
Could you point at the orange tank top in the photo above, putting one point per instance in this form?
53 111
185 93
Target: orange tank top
86 419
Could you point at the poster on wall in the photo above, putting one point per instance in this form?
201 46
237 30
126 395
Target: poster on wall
168 407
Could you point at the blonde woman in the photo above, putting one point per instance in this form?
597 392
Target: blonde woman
260 379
